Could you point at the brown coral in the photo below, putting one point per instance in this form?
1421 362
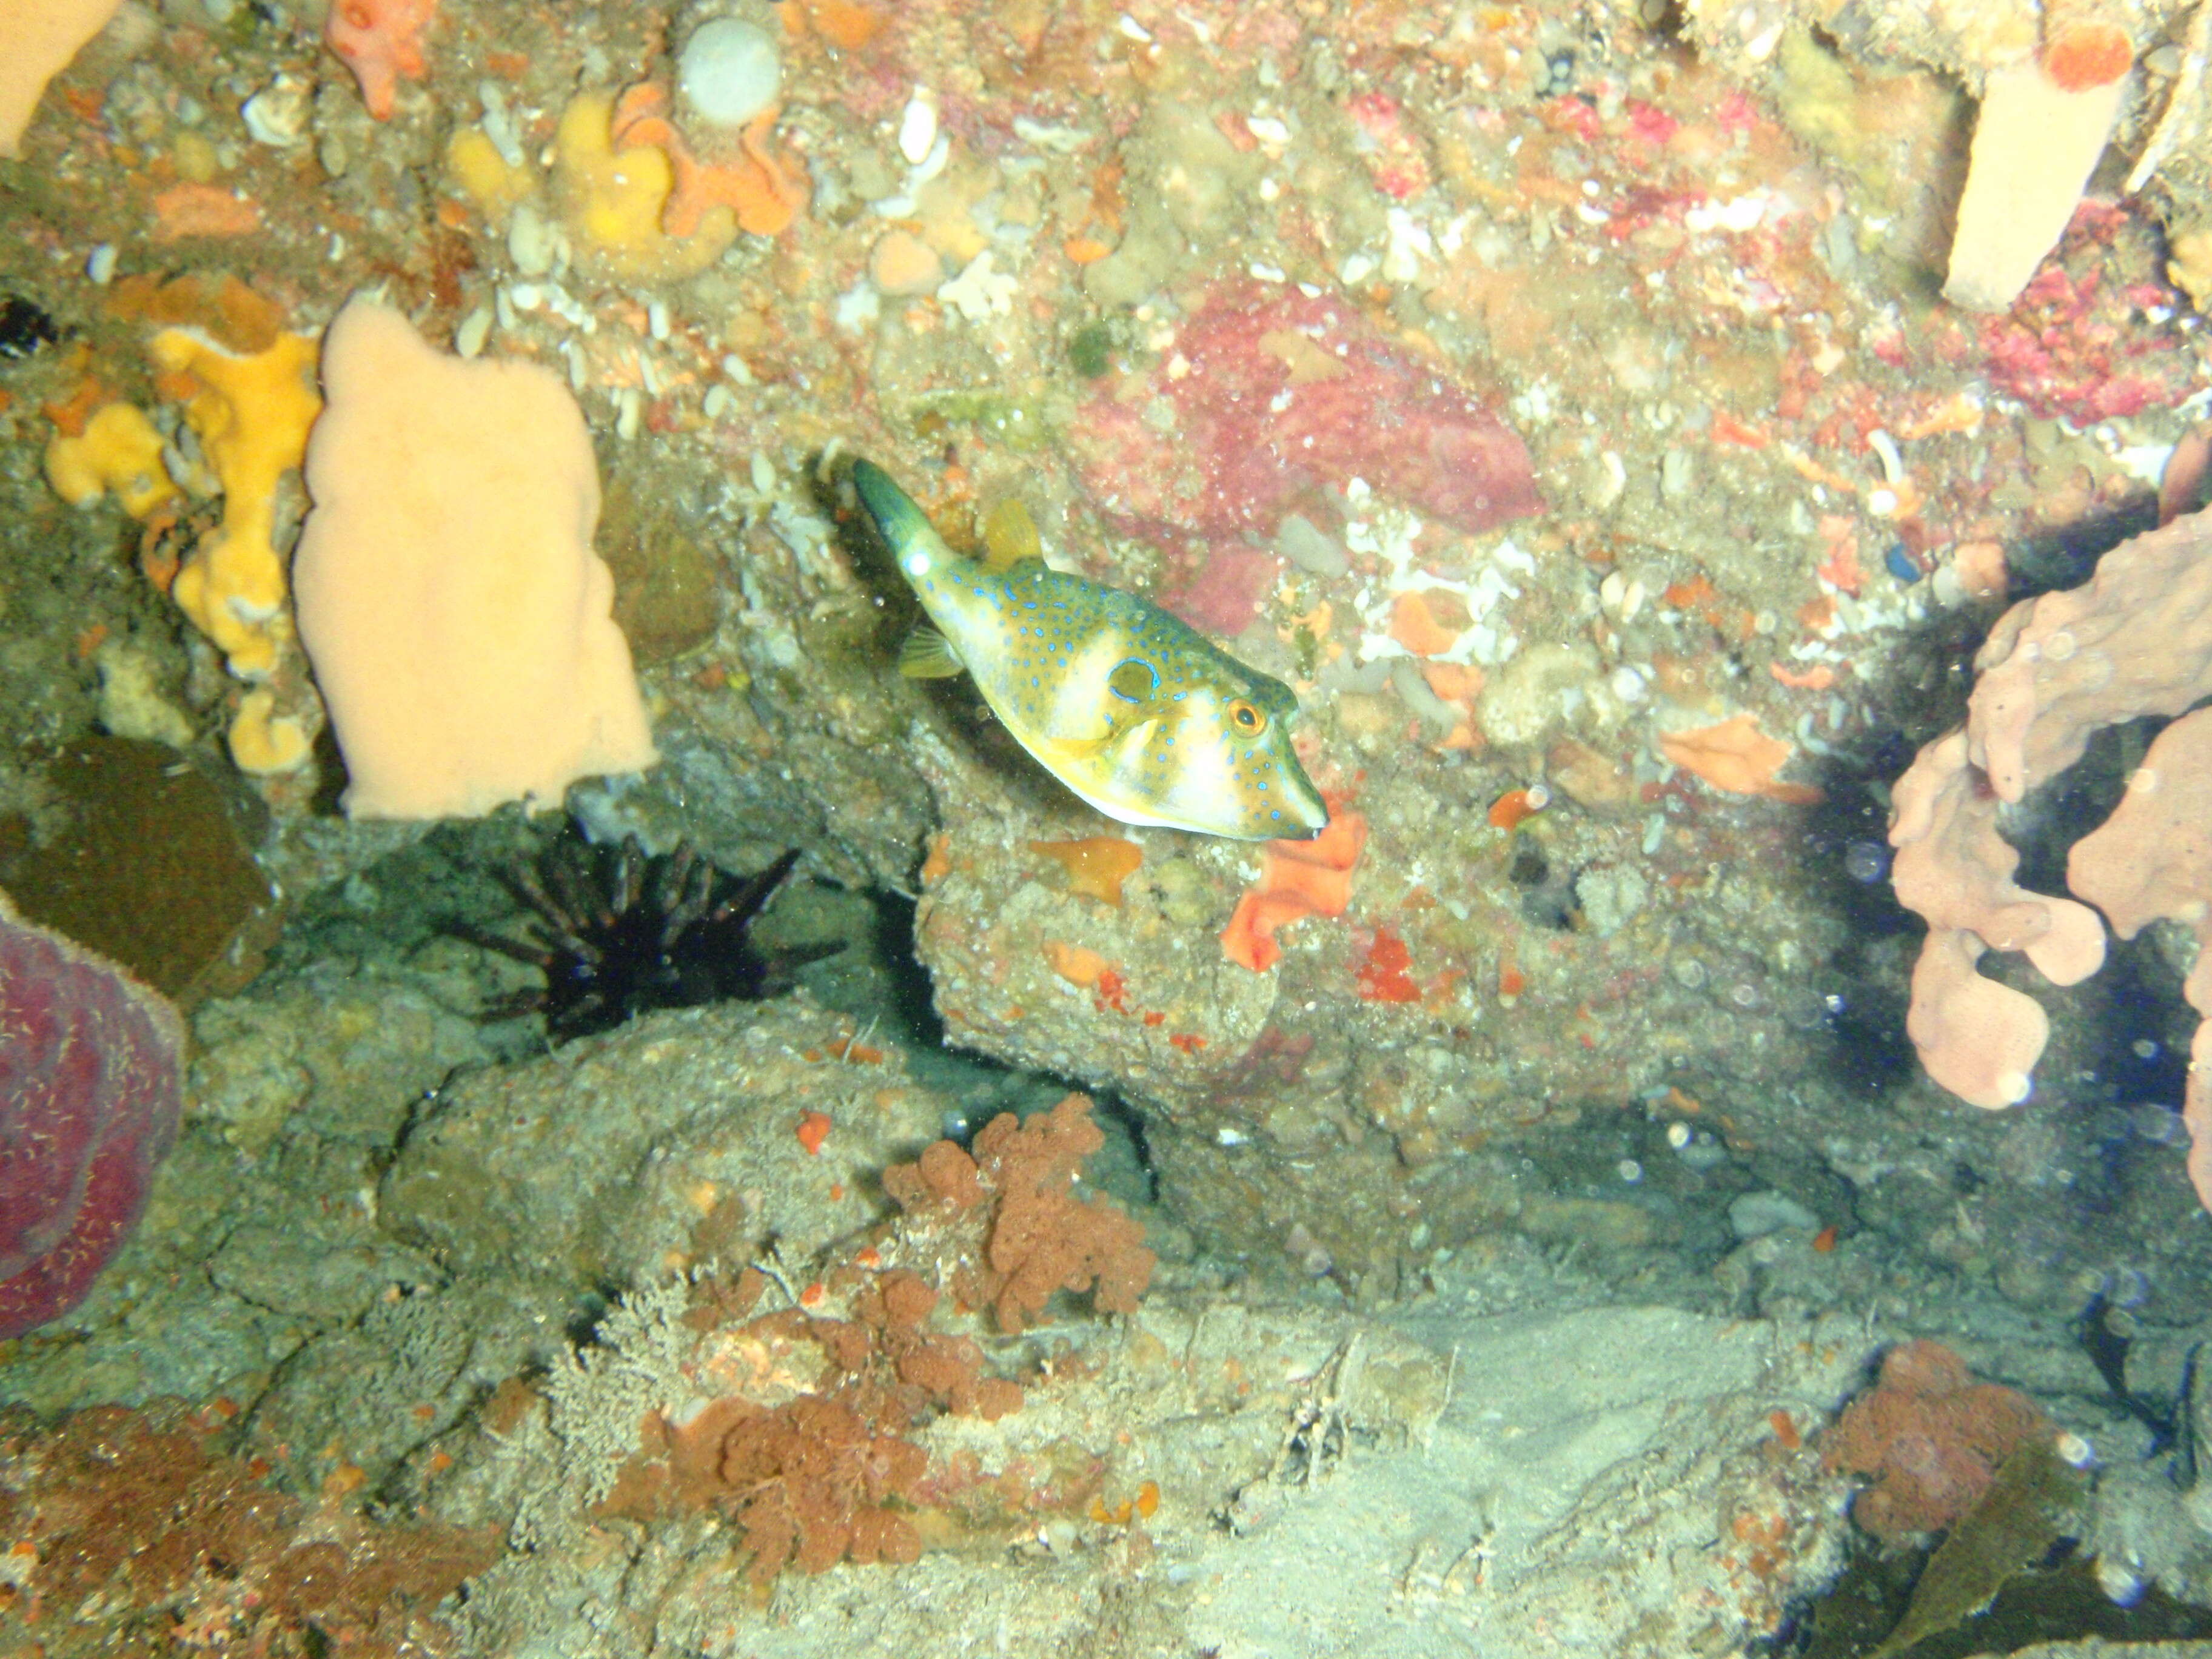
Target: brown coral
1931 1437
811 1482
806 1454
827 1475
137 1525
1041 1237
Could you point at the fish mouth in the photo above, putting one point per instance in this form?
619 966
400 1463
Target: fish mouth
1309 812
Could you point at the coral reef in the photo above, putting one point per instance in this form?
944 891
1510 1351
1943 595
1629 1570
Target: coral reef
2133 640
90 1092
129 1528
1931 1437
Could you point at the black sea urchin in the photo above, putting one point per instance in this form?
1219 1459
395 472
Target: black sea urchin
619 933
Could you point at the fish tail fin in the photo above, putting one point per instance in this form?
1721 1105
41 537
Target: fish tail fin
912 540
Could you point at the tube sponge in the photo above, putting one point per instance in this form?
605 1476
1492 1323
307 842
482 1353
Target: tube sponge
458 621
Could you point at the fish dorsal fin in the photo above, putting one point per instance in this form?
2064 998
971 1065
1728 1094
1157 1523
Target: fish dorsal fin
1010 537
927 654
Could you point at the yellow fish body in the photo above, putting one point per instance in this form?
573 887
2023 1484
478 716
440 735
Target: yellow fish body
1126 705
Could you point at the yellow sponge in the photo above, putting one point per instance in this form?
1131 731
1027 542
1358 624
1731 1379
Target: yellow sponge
613 201
118 450
252 416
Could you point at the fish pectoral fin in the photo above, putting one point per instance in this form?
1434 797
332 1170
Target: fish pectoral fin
1079 750
1084 749
927 654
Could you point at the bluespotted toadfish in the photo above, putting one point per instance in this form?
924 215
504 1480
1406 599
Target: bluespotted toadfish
1129 707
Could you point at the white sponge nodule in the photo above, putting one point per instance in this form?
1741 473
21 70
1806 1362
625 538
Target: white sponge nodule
728 72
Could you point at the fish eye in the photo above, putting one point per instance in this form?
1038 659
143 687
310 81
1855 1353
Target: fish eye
1247 719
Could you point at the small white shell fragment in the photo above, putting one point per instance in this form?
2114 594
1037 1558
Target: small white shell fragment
763 474
498 123
656 319
980 291
476 328
1267 130
99 269
1064 139
530 240
630 413
1886 451
277 114
917 133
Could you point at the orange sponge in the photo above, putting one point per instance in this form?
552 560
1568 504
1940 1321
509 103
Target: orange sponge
1297 879
380 40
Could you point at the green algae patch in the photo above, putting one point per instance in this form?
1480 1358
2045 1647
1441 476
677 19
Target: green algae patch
146 858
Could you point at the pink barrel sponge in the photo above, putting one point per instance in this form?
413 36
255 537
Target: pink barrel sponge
91 1087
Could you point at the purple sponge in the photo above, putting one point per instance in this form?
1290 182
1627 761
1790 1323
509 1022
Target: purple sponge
91 1087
